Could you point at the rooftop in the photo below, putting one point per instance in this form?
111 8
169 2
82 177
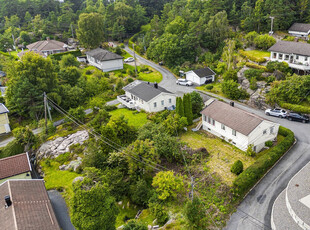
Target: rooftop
14 165
144 91
288 47
31 207
232 117
300 27
46 45
204 72
103 55
3 109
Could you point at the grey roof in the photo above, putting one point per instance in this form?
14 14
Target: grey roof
288 47
46 45
300 27
204 72
103 55
3 109
232 117
144 91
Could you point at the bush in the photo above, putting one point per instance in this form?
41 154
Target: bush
253 73
270 79
255 66
230 74
280 66
268 143
252 58
248 178
135 225
209 87
110 108
295 108
264 41
237 167
62 158
250 152
253 83
58 56
231 90
159 212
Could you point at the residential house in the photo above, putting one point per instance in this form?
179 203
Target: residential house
46 47
237 126
299 30
104 60
147 96
24 204
4 118
201 76
15 167
296 54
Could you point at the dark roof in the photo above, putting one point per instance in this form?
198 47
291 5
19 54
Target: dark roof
144 91
103 55
232 117
300 27
31 207
3 109
14 165
40 46
204 72
288 47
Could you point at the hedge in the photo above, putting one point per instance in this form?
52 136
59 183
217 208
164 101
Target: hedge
138 49
8 55
295 108
58 56
251 57
255 66
248 178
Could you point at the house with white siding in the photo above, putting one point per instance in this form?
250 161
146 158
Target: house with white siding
296 54
147 96
299 30
201 76
104 59
238 126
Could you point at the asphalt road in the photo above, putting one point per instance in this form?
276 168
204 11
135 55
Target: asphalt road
254 212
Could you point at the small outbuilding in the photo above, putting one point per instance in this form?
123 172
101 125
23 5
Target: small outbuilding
299 30
201 76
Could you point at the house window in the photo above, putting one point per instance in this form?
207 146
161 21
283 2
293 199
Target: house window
297 57
204 117
209 120
265 131
271 130
155 104
286 57
213 122
162 102
274 55
306 58
234 133
170 100
280 56
223 127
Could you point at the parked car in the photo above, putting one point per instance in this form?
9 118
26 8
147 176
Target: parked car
161 63
276 112
292 116
184 82
130 59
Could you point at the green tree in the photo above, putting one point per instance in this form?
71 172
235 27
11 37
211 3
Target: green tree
264 41
231 90
230 74
197 103
218 27
167 185
68 60
237 167
77 114
188 112
25 38
93 208
135 225
174 124
24 136
140 192
90 32
179 107
69 75
196 214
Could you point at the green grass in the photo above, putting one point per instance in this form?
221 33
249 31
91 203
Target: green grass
134 118
258 53
152 76
217 89
125 54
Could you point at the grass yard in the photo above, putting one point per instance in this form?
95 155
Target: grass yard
222 154
151 76
217 89
125 54
136 119
258 53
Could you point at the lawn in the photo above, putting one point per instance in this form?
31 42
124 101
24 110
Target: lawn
152 75
258 53
217 89
125 54
135 118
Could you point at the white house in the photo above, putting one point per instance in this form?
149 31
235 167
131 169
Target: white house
104 60
299 30
237 126
147 96
201 76
296 54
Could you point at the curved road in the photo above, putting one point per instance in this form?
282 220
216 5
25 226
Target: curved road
254 212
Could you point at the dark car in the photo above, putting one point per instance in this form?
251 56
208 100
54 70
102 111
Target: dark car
297 117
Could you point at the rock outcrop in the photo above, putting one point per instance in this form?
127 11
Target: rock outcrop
61 145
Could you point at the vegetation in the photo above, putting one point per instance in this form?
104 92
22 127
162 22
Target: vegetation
237 167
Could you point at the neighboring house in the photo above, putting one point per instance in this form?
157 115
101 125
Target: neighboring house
201 76
4 120
104 60
296 54
15 167
46 47
299 30
24 204
147 96
237 126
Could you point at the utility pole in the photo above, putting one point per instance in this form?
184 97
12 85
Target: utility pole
134 56
14 42
45 112
272 18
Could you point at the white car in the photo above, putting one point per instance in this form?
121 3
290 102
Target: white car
184 82
276 112
130 59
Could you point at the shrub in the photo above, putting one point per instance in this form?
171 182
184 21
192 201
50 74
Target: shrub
252 174
295 108
58 56
135 225
230 74
281 66
250 152
62 158
253 83
251 57
231 90
11 149
270 79
253 73
159 212
268 143
237 167
264 41
209 87
110 108
255 66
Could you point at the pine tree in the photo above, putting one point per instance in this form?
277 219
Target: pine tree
179 107
187 104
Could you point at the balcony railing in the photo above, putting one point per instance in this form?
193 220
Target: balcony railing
126 101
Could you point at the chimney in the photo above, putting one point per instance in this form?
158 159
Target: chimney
8 201
232 103
156 85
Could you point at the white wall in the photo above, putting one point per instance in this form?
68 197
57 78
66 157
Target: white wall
276 56
298 34
106 66
191 76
